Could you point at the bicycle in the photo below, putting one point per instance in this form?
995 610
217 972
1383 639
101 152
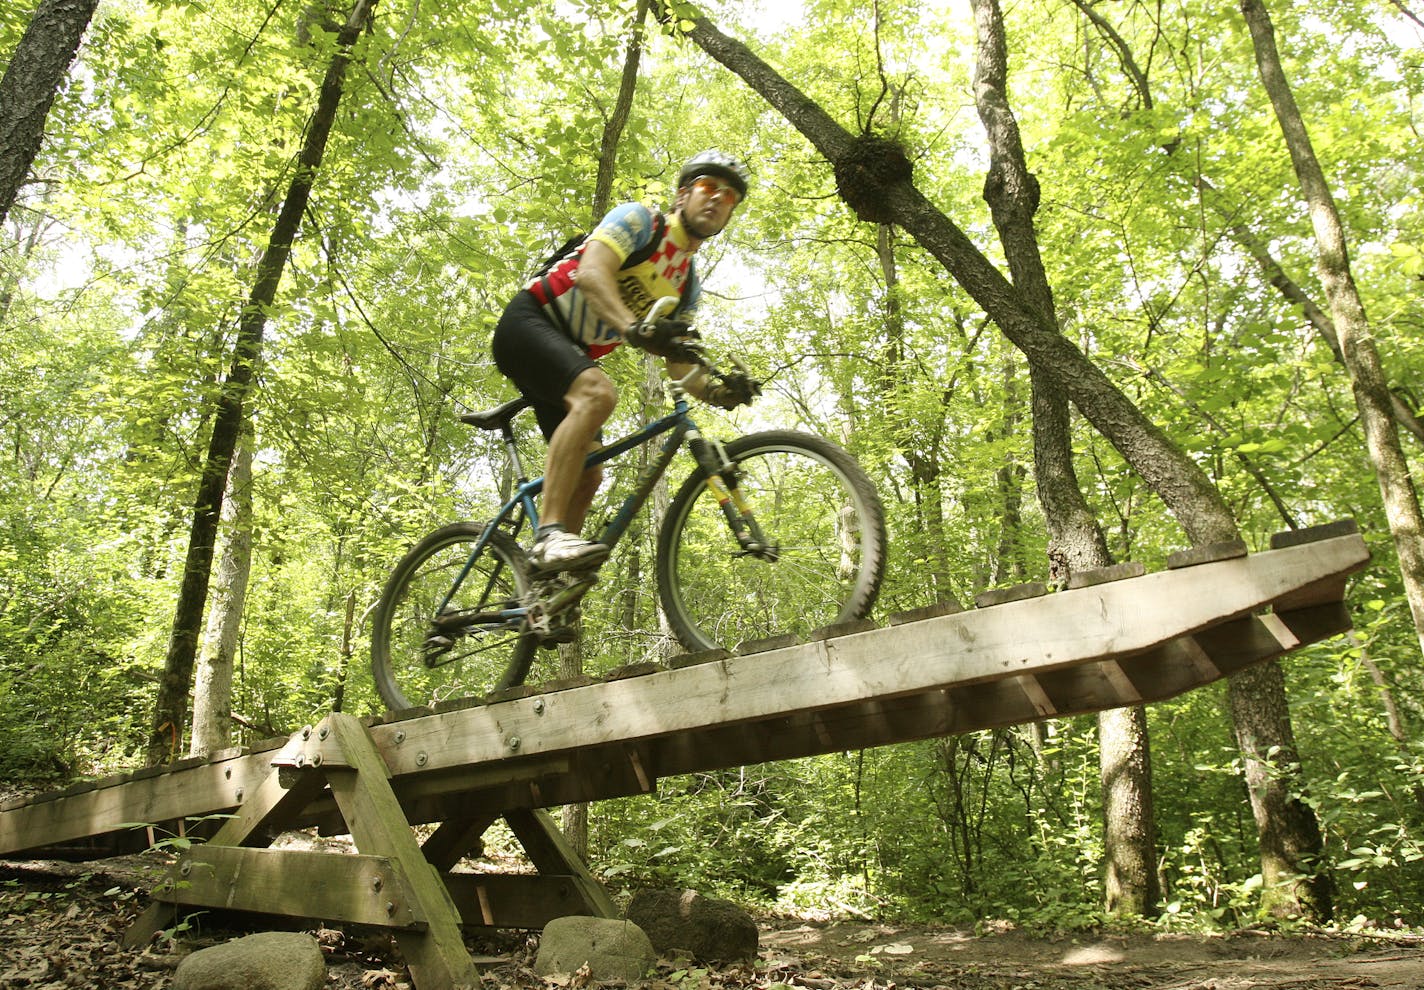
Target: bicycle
773 532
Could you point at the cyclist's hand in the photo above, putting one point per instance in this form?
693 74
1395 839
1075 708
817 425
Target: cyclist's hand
666 337
735 389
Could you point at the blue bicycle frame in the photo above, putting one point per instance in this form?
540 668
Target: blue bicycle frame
680 427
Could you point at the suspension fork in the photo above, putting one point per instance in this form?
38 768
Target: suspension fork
721 480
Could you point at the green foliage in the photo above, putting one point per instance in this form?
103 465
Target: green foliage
469 136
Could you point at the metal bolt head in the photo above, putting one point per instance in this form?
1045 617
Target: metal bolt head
377 883
316 760
324 732
306 732
390 907
538 706
400 736
186 868
421 759
513 742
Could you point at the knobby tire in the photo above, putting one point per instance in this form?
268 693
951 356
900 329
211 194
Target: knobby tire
813 501
480 660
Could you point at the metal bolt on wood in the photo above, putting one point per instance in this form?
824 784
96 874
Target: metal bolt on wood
421 759
306 732
538 706
400 736
513 742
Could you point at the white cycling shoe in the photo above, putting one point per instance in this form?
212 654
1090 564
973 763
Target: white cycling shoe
561 551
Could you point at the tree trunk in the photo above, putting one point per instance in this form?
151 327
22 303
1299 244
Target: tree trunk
1357 345
878 187
1075 540
212 691
36 71
170 711
575 819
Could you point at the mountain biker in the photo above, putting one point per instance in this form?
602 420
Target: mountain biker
551 334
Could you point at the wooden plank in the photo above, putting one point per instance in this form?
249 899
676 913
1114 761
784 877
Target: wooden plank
552 855
364 890
155 797
436 755
1105 621
360 781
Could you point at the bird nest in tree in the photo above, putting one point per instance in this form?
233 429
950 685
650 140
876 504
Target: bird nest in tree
865 174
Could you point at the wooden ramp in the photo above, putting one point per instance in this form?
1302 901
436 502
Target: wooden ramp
1112 638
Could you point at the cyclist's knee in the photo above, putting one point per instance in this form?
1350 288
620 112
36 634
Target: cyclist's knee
593 393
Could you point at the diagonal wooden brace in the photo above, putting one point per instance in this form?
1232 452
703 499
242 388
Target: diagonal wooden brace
436 954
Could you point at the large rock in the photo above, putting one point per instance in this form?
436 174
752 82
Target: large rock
684 921
266 961
611 949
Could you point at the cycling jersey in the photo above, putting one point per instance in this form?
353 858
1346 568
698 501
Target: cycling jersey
626 229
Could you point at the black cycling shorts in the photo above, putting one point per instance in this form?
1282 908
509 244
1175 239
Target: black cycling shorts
539 358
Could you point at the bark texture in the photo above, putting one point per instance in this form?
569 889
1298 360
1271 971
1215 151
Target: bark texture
1356 338
212 690
1075 540
27 90
170 711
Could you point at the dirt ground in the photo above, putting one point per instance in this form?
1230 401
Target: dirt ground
61 926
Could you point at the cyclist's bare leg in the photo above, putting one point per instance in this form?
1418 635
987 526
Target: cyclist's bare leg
568 488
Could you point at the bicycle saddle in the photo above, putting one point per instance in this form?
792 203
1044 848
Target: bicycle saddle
497 418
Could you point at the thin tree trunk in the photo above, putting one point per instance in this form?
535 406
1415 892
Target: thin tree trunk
36 71
1075 540
170 711
212 690
575 819
1357 345
1404 414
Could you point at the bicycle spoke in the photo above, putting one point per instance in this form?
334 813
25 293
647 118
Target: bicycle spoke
813 504
481 656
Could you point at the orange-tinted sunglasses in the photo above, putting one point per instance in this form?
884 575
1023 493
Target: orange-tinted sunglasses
711 186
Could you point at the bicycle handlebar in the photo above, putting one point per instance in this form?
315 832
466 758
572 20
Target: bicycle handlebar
690 350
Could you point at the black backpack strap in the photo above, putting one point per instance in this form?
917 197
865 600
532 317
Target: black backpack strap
651 248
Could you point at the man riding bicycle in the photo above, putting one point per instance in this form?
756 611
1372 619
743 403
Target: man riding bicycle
550 336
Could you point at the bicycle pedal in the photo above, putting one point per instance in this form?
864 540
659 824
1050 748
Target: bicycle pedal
557 636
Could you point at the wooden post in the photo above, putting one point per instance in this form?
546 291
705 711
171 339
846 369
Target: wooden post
437 955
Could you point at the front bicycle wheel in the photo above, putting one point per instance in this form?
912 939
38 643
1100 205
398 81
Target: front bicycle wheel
422 653
822 520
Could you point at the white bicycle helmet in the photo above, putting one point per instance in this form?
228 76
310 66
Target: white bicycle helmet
720 164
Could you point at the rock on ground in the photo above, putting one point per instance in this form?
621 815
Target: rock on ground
707 928
266 961
612 949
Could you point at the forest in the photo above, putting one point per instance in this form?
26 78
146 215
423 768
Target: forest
1076 282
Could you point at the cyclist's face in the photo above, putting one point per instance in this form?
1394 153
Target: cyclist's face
707 204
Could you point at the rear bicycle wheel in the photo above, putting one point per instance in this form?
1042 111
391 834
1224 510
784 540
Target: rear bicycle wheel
469 649
819 512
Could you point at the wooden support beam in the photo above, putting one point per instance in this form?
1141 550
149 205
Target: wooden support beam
362 890
551 854
360 781
456 838
497 900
